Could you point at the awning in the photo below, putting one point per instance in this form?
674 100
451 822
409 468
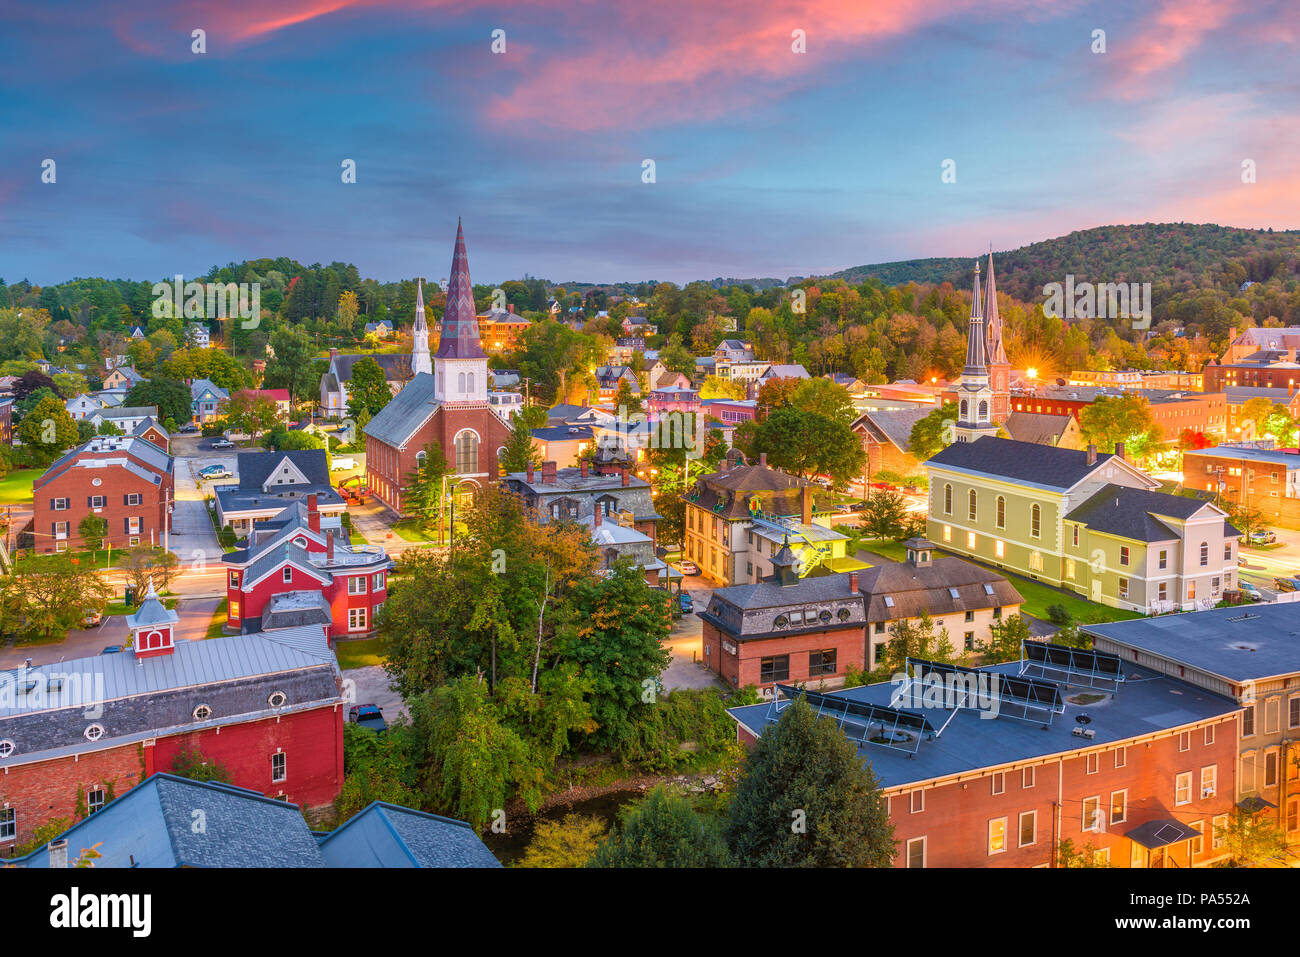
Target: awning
1161 833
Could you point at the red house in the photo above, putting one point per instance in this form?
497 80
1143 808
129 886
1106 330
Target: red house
294 573
126 480
74 735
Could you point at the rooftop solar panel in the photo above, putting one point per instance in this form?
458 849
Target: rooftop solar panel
876 724
1018 696
1078 665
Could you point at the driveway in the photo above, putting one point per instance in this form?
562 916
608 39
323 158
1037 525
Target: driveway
369 685
686 643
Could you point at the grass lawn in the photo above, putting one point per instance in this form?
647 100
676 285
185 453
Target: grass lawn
216 627
16 487
358 654
407 529
121 607
1038 596
86 559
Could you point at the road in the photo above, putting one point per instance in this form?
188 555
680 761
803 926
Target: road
686 643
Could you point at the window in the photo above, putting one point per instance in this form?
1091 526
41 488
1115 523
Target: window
234 609
1227 551
134 498
234 579
974 505
1121 757
1002 512
1272 715
94 732
1074 530
1119 806
1036 561
94 800
377 582
279 769
96 501
1209 780
1197 844
1123 588
357 585
1091 763
1091 814
1183 788
1028 828
8 824
969 639
970 539
776 668
1164 558
947 500
59 504
916 802
1069 568
1123 554
999 549
1294 714
287 574
1035 520
1209 735
997 835
1185 741
1220 821
202 713
467 452
916 852
970 616
1027 777
1293 814
1162 591
356 619
947 533
1270 768
821 663
999 783
1205 554
7 748
1248 721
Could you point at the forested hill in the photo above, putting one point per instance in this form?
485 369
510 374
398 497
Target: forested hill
1176 254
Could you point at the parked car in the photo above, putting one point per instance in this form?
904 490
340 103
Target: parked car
368 716
214 472
222 444
688 568
1250 591
91 618
111 650
342 464
1286 584
189 428
1260 536
688 604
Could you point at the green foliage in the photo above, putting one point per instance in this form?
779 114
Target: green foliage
1006 637
1068 856
915 638
932 433
43 834
681 729
567 843
663 830
191 763
92 529
378 767
1250 840
227 536
46 597
806 799
368 390
47 429
519 449
884 515
1058 615
1127 419
171 396
809 443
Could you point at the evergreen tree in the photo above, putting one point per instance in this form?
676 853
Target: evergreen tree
519 449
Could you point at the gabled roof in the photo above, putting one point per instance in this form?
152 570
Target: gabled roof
386 835
786 372
256 467
1136 514
406 412
928 588
396 366
1042 465
1040 428
200 386
892 425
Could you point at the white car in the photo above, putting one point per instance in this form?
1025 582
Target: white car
339 465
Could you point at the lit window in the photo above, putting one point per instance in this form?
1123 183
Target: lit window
997 835
1183 788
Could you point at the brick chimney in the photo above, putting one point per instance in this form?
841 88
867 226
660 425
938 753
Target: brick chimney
548 472
530 471
1092 453
313 516
806 504
626 475
597 516
582 467
853 582
762 459
58 854
1119 449
510 307
329 544
333 352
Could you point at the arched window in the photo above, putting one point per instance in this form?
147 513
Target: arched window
947 499
1205 554
974 505
420 458
963 409
984 411
469 380
467 452
1002 512
1035 520
460 381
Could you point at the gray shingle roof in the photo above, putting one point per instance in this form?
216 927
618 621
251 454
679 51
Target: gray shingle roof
408 410
385 835
917 589
255 467
1040 428
1023 461
1135 513
893 425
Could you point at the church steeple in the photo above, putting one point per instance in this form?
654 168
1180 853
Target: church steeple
974 395
420 335
460 364
999 365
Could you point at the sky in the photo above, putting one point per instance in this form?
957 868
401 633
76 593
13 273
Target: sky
767 161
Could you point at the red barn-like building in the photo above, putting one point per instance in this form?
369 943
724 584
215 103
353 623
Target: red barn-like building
294 573
73 735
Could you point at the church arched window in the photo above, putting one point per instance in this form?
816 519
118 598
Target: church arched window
964 408
984 411
467 452
470 382
460 382
420 457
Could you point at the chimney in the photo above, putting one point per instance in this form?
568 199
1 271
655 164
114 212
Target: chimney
627 476
329 544
597 515
1119 449
333 352
806 504
548 472
762 459
313 516
59 853
1092 453
530 471
853 582
510 307
582 467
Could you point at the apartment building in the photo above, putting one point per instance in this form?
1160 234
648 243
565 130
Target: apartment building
1260 478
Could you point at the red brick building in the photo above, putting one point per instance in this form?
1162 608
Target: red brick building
1137 775
1263 479
294 574
75 734
886 436
126 480
447 404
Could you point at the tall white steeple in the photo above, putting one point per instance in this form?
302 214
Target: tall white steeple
420 361
974 395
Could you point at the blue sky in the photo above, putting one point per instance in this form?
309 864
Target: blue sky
768 163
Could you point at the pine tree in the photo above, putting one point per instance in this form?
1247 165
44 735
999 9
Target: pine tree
519 449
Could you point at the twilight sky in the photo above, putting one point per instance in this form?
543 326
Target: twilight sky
768 162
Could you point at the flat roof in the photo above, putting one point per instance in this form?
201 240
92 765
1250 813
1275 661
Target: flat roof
1241 643
1148 703
1274 456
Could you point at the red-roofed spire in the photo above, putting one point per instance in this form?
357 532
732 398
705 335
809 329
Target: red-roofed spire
460 335
996 354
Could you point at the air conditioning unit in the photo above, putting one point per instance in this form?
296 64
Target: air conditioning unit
1207 792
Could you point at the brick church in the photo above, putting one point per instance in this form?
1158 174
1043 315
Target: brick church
445 402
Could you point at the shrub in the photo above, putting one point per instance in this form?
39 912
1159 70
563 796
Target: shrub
227 536
1057 615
